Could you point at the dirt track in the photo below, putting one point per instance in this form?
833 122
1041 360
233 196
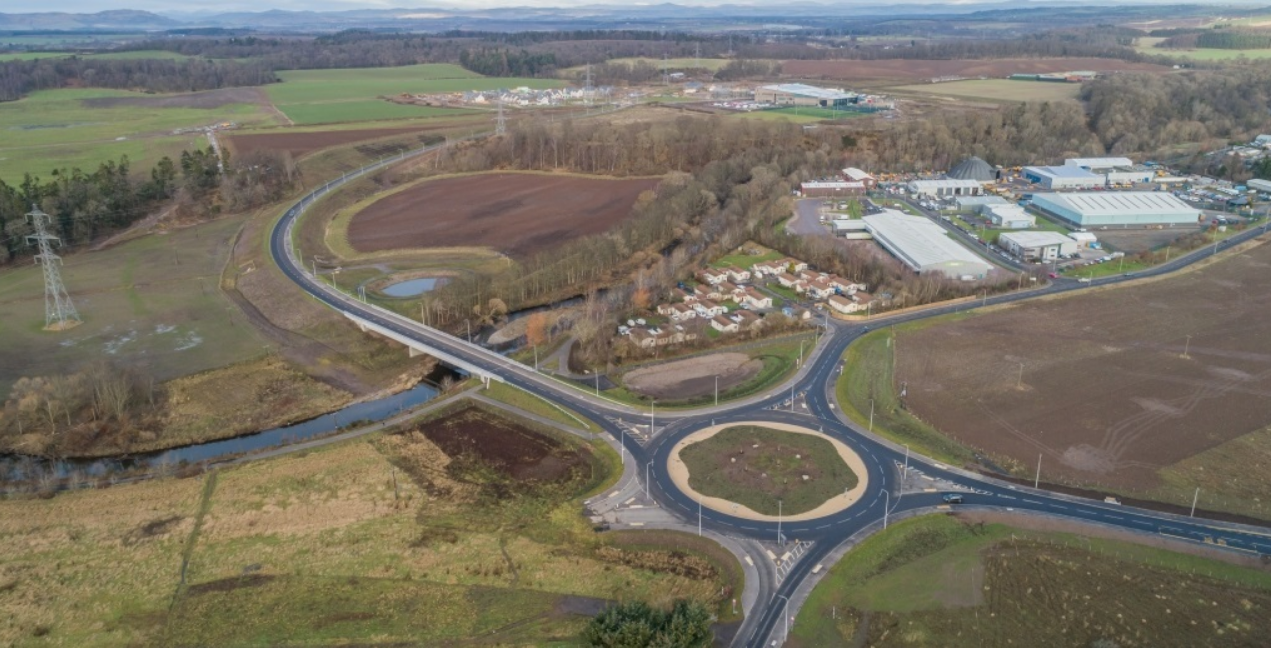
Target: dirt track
905 69
693 376
518 214
1106 394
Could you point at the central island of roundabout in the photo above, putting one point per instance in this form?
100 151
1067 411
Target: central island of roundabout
767 471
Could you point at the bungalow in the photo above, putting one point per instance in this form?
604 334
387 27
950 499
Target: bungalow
768 268
855 303
643 338
794 265
801 286
845 286
730 290
712 276
820 288
681 312
707 291
723 324
666 309
808 275
755 299
746 319
707 308
682 295
737 274
786 279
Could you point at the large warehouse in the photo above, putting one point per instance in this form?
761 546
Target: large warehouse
1118 209
1114 170
1063 177
923 245
802 94
946 188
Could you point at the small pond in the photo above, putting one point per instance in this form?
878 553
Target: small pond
413 287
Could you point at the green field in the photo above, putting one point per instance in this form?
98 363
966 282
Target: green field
782 457
673 64
773 115
998 90
154 300
321 96
936 580
55 129
819 113
1147 46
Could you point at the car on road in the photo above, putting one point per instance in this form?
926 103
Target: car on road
1052 275
1084 280
953 498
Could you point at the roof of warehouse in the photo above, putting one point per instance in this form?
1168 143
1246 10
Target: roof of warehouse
1062 172
922 240
1035 239
807 91
945 183
981 200
1100 163
1110 203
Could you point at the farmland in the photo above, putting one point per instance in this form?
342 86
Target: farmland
301 142
1147 45
917 70
955 581
55 129
517 214
1137 389
381 539
353 95
756 467
997 90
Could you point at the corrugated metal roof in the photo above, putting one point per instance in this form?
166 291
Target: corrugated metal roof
1116 203
1065 171
806 90
944 184
1036 239
1100 163
922 241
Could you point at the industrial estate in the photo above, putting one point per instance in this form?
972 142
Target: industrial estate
894 326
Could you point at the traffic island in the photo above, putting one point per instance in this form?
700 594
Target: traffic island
765 471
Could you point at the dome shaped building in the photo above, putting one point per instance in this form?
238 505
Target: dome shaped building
973 168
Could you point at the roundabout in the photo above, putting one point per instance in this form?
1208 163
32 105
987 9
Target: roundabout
746 469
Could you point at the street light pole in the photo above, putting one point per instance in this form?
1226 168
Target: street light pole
717 389
779 522
1037 480
786 614
652 407
871 415
886 507
622 450
646 478
800 353
906 471
1195 498
468 323
699 516
1187 347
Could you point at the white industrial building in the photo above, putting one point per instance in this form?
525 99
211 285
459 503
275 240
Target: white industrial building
856 175
923 245
822 188
1008 216
851 228
1037 246
802 94
1261 185
1105 209
976 203
1063 177
946 188
1114 170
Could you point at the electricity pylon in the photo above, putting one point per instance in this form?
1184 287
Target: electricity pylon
501 124
59 312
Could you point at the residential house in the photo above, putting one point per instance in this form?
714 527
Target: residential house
707 291
786 279
707 308
820 288
729 290
682 295
808 275
756 300
681 312
643 338
666 309
855 303
801 286
844 286
723 324
767 268
746 319
737 274
712 276
794 265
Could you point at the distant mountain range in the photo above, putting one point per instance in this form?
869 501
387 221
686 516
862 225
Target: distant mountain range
444 16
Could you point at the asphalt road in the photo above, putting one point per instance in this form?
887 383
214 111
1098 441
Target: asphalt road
815 381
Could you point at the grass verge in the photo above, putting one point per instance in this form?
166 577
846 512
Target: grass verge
522 399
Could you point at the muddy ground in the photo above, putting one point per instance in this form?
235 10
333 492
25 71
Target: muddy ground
208 99
1109 386
300 144
517 214
693 377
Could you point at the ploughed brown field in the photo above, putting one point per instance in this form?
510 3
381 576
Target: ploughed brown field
299 144
1107 395
518 214
906 69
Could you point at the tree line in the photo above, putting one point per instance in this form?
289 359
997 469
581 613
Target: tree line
18 78
88 205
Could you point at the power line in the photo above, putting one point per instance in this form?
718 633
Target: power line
501 124
59 312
